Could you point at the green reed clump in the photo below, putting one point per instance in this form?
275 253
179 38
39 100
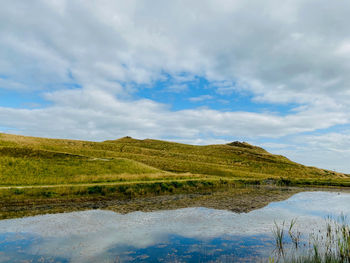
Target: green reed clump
278 233
329 245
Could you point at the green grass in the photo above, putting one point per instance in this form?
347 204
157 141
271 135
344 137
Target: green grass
126 190
329 245
41 161
26 166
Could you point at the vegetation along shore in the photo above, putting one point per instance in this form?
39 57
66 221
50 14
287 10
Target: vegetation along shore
39 175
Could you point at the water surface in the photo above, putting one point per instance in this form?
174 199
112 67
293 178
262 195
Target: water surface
183 235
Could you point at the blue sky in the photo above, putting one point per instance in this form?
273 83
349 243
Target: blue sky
198 72
200 92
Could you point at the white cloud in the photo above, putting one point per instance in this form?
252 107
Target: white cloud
176 88
201 98
293 52
343 49
99 115
328 150
287 49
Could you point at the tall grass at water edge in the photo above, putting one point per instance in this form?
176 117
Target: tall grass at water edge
328 245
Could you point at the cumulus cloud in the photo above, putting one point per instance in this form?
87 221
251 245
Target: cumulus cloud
328 150
296 48
93 114
278 53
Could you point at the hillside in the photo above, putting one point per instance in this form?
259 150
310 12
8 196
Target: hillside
40 161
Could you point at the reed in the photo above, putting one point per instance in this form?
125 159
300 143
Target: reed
328 245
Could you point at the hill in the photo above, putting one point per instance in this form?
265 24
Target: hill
40 161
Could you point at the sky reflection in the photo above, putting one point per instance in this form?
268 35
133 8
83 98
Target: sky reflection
190 234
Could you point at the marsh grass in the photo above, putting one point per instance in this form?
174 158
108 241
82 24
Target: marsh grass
278 233
328 245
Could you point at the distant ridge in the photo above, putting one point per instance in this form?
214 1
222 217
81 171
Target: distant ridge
245 145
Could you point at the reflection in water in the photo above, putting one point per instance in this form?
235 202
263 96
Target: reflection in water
183 235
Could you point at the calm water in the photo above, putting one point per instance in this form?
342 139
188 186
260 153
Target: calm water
183 235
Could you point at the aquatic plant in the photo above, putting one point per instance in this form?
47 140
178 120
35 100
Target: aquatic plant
278 232
330 245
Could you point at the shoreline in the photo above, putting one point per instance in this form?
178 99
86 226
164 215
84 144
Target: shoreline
239 199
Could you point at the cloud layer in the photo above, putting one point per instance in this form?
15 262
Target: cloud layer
89 59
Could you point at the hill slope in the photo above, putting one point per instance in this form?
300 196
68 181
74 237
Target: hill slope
30 161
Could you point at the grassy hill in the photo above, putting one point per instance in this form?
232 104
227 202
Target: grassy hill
39 175
40 161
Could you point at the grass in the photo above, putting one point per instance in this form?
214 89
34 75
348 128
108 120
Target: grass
35 158
278 233
25 166
147 196
120 190
31 161
17 202
330 245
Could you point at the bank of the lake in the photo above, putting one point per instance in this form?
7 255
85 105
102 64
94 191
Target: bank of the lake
235 197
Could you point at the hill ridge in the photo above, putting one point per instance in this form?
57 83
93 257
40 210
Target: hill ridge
64 161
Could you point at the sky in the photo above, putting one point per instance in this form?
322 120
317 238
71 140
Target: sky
272 73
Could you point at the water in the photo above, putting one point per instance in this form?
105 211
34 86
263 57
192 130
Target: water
183 235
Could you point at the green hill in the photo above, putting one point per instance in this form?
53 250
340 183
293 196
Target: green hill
40 161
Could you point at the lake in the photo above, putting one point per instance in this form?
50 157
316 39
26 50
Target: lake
183 235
